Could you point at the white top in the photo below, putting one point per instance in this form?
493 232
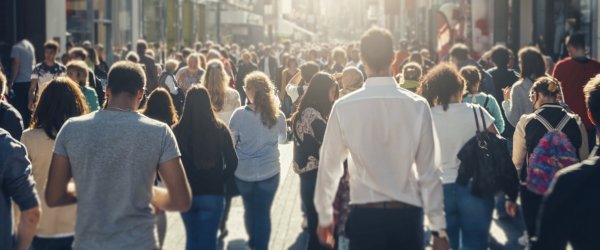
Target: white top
454 127
231 103
387 135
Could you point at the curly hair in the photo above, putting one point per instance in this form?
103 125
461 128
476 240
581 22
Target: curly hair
440 84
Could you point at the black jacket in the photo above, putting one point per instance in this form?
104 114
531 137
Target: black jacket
10 120
272 66
570 212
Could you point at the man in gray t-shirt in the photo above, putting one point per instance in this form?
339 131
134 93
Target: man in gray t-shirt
113 156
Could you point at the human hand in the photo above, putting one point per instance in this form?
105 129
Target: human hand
511 208
440 243
31 106
506 92
325 235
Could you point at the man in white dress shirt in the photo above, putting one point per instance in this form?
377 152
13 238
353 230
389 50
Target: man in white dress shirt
387 135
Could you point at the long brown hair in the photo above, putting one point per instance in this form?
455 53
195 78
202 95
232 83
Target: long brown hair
197 131
263 98
215 81
60 100
160 107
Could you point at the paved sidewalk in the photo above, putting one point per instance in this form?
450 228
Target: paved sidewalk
286 216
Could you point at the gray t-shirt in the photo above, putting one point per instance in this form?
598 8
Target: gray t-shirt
114 157
25 52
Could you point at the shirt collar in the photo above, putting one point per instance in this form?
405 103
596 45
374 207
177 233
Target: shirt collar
386 81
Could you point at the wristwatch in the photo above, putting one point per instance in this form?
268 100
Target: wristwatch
440 234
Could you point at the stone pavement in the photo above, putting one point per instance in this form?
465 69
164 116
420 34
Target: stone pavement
287 233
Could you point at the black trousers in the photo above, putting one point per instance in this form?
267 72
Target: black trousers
530 205
308 181
385 228
20 100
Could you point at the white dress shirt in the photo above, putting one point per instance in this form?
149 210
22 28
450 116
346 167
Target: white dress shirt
387 135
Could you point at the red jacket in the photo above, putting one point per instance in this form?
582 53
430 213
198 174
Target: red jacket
573 75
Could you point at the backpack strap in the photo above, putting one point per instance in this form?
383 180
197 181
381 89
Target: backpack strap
543 121
487 100
563 122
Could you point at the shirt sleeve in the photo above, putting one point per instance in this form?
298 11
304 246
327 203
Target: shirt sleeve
18 180
333 152
15 52
12 122
518 99
428 161
489 119
519 143
170 150
35 73
233 127
497 114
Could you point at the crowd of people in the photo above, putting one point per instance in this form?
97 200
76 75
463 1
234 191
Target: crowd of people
393 149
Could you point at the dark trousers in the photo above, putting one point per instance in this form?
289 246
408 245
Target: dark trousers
20 100
307 194
530 205
381 228
63 243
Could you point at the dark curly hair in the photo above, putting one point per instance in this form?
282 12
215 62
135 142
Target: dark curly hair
440 84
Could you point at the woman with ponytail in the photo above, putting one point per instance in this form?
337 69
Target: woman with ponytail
256 128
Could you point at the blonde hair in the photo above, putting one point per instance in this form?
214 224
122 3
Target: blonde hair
81 69
171 65
215 80
264 100
194 56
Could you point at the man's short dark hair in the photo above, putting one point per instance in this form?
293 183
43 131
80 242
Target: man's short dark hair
141 46
501 56
308 70
592 97
576 41
52 45
377 49
126 77
79 52
460 52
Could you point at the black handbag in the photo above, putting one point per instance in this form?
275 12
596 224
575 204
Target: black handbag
486 162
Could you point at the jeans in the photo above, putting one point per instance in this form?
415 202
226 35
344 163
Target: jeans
385 228
20 100
307 193
257 197
63 243
202 221
468 217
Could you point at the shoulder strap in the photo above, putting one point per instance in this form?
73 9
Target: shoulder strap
563 122
544 122
476 119
482 118
487 100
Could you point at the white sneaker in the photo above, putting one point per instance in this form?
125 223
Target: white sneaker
524 240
